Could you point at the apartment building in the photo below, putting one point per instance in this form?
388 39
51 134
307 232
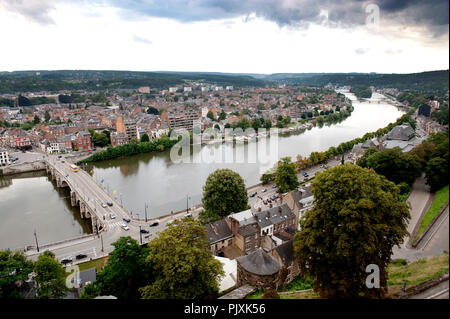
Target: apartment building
4 157
181 119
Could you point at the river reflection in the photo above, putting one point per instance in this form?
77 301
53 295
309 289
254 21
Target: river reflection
154 179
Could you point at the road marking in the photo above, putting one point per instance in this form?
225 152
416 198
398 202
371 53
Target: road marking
95 252
438 293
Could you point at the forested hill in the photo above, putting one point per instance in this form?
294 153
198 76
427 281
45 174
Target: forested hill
433 81
24 81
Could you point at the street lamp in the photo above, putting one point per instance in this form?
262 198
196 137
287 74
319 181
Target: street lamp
146 212
101 239
187 203
35 236
140 235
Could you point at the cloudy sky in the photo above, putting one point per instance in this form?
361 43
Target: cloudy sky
247 36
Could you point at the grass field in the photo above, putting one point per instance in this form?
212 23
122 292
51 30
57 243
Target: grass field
439 201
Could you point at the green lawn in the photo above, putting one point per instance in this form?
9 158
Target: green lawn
97 263
439 201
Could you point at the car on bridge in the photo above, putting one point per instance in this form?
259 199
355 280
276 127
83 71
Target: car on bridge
126 219
125 226
112 216
109 203
80 256
104 205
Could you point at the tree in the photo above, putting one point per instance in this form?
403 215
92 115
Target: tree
36 120
183 264
436 173
267 177
286 175
222 116
395 165
210 115
13 267
355 222
152 110
125 272
363 160
145 138
47 116
100 139
267 124
50 277
223 193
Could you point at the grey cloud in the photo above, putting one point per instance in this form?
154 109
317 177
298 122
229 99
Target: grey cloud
36 11
431 14
141 40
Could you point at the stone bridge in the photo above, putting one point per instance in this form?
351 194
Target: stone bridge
88 209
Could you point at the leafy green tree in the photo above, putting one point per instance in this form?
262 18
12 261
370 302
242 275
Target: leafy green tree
267 177
223 193
355 222
125 272
36 120
286 175
145 138
210 115
47 116
395 165
437 173
152 110
14 267
50 277
100 139
267 124
363 160
184 267
222 115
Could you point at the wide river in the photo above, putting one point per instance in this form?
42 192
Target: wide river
164 185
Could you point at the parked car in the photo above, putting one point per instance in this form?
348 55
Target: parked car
154 224
144 231
66 260
126 219
187 215
125 226
274 186
253 194
80 256
264 190
305 174
265 202
112 216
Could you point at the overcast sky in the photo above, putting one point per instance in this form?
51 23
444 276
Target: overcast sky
265 36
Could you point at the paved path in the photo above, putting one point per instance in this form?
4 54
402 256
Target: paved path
439 291
437 241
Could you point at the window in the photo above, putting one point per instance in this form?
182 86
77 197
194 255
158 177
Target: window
248 246
230 242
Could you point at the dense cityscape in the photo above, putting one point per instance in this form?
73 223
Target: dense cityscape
209 185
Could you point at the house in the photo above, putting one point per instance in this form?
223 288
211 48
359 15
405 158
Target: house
118 139
284 254
244 232
258 269
82 141
299 201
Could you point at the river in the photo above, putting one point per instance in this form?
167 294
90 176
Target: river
165 186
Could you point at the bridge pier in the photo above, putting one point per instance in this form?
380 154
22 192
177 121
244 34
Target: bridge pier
73 198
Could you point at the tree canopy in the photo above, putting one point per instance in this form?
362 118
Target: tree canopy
125 272
183 264
223 193
286 175
50 277
356 221
14 267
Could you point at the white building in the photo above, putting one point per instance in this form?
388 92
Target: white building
173 89
144 89
4 157
205 88
229 88
187 89
219 88
204 111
